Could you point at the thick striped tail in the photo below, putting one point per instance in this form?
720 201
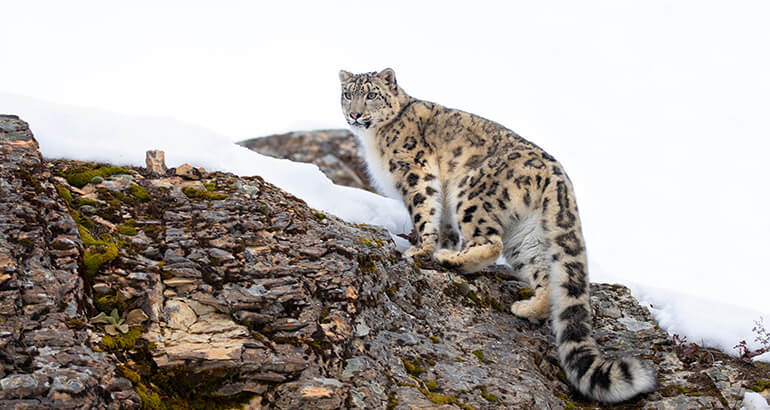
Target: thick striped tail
605 380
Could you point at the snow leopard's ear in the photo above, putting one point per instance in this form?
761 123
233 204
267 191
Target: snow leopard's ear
345 76
389 76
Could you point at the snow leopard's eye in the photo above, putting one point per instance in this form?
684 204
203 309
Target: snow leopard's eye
346 95
371 96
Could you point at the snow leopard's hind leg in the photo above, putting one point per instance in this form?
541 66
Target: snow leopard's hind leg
526 250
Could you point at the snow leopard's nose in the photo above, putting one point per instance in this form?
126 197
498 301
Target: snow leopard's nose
355 115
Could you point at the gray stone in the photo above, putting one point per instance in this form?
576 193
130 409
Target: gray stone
22 386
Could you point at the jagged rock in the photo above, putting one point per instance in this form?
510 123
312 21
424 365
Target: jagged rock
156 162
247 296
333 151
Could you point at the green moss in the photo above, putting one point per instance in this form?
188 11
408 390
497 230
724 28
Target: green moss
153 230
496 305
319 215
107 303
480 355
129 374
75 323
431 385
760 385
437 398
568 405
139 192
525 293
98 255
434 339
371 242
412 368
150 400
211 186
80 176
85 201
121 342
367 264
199 195
127 230
86 237
392 401
488 396
678 390
81 219
474 297
65 194
466 406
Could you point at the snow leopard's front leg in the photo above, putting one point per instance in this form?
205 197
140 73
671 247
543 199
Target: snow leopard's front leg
421 190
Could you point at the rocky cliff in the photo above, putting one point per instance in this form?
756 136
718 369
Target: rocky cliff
135 287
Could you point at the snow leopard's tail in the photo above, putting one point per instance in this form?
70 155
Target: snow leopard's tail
605 380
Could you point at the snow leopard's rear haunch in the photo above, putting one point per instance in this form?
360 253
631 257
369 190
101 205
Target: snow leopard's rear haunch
476 190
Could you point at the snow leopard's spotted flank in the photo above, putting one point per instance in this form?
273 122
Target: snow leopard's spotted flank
476 190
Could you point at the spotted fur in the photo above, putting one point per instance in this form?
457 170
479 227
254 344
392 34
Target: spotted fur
476 190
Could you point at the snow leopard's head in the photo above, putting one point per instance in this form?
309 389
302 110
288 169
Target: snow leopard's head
370 99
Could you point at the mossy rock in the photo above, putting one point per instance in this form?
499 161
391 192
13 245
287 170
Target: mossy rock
139 193
526 293
486 395
82 220
97 255
153 230
121 342
81 176
65 194
412 368
107 303
83 201
760 385
480 355
199 195
127 230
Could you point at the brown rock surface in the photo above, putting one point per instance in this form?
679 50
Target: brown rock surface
45 357
236 292
156 162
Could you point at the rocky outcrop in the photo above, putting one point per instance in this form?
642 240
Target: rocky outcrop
196 289
46 359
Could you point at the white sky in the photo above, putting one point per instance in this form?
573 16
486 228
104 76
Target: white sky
658 109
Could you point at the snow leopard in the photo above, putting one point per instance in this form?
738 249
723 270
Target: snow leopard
476 190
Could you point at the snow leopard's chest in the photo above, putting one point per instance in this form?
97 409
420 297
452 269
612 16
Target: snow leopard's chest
376 165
